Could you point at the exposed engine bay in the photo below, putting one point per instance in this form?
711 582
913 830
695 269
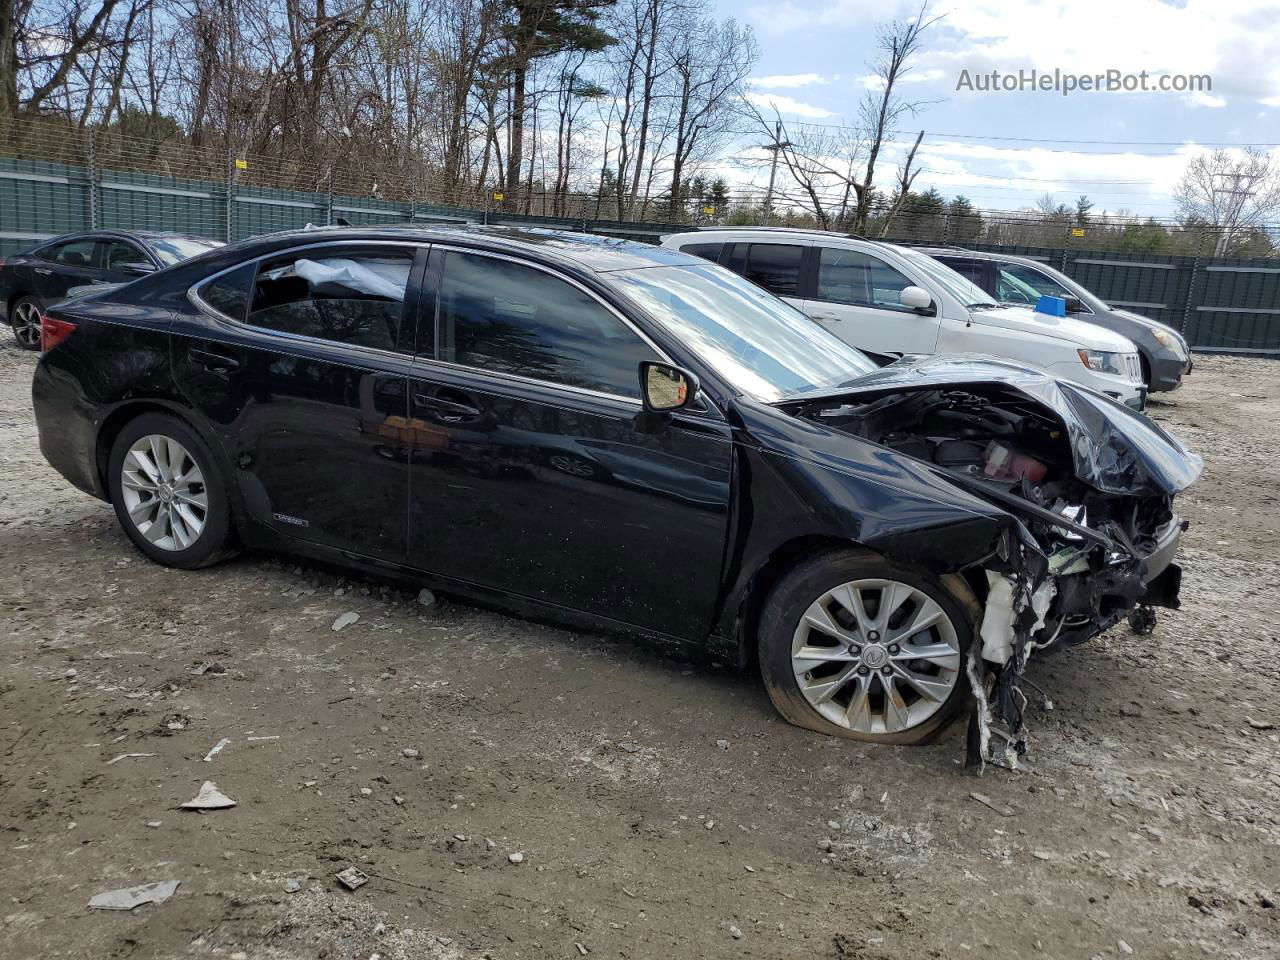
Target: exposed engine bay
1079 558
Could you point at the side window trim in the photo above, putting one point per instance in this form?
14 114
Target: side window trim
438 266
193 291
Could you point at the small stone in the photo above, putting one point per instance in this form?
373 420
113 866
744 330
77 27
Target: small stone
747 867
154 824
366 792
70 674
1124 947
722 744
710 824
379 929
409 753
460 837
489 844
583 951
626 746
426 598
516 857
344 621
292 886
833 824
1042 854
399 801
1260 724
735 932
1130 710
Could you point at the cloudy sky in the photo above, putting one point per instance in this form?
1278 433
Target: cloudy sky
1005 149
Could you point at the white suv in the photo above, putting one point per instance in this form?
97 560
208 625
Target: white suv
886 299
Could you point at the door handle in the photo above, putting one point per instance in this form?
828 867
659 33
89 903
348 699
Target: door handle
212 360
42 271
825 316
450 411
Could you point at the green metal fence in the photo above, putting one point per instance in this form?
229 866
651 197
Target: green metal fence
1220 305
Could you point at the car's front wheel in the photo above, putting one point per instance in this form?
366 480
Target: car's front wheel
169 494
856 646
24 317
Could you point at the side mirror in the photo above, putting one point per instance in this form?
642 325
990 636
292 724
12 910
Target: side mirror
137 269
916 298
1074 305
665 388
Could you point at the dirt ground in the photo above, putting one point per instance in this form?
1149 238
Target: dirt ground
660 808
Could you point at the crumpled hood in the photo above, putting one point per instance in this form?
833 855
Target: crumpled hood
1115 449
1078 332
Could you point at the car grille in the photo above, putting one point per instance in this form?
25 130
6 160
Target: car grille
1133 367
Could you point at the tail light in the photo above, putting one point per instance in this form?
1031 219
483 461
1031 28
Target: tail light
53 332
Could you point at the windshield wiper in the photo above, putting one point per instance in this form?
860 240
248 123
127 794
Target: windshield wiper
980 306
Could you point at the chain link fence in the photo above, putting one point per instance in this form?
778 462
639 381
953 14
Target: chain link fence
58 179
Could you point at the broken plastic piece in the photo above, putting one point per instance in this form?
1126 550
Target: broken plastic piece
209 798
217 749
351 878
126 898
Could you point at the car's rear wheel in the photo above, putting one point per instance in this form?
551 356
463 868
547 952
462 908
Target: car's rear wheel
856 646
169 494
24 317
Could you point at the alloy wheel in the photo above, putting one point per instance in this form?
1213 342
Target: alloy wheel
26 324
876 656
164 492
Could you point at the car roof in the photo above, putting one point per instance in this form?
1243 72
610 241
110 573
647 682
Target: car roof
140 235
596 253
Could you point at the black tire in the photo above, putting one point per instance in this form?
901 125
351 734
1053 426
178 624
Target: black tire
18 312
215 541
791 598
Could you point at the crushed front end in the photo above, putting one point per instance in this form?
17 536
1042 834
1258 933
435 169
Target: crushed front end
1090 487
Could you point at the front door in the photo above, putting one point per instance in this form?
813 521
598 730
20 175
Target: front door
300 363
856 298
533 472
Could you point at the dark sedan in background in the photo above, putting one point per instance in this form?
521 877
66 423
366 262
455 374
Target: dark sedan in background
45 274
1165 356
603 432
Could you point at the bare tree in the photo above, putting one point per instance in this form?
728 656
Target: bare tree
1237 193
881 109
906 177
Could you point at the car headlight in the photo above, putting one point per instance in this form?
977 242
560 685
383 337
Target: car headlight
1171 342
1103 361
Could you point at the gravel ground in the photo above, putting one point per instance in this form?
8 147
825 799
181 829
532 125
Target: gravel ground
659 808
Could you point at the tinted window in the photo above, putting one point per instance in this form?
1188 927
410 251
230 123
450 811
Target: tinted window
775 266
502 316
971 270
341 295
230 292
116 253
847 276
708 251
74 253
1018 284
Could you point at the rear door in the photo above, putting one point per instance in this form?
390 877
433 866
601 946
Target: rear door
300 364
856 298
72 263
534 473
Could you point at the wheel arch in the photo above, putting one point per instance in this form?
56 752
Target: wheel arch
967 587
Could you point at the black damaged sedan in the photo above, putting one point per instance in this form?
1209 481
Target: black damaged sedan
622 437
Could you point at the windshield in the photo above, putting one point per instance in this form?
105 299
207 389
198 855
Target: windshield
766 348
967 292
172 249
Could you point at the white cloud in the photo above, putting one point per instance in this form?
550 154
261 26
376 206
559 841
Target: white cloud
789 81
1200 99
1233 41
787 106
